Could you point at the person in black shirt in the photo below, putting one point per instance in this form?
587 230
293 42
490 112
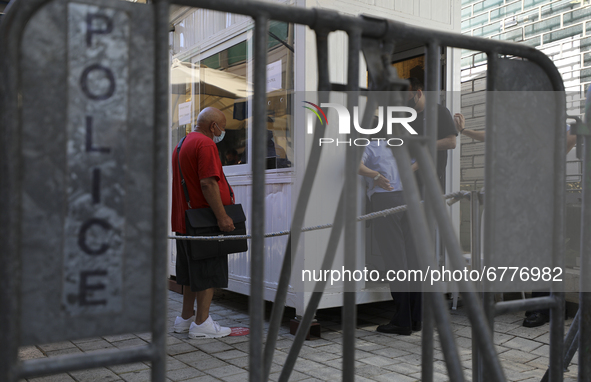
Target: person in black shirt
446 131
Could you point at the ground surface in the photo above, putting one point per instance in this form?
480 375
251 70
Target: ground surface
379 357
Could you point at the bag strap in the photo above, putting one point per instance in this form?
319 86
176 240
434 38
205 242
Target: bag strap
184 184
229 188
178 154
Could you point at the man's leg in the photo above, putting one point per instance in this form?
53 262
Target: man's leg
415 287
183 323
188 302
402 318
390 238
204 298
416 310
200 274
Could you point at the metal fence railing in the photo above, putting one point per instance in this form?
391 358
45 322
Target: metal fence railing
376 39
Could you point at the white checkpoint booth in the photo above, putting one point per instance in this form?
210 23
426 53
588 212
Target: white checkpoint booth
211 65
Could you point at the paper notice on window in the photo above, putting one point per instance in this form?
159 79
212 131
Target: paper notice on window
274 76
185 113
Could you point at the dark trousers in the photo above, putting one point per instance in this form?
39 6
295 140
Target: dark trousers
397 248
541 294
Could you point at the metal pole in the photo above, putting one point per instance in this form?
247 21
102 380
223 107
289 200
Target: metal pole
571 341
73 362
327 263
301 205
424 245
259 136
475 229
11 165
475 232
301 333
556 358
548 302
432 92
585 282
558 227
571 344
572 349
488 305
475 312
379 29
160 185
488 301
351 165
432 78
427 339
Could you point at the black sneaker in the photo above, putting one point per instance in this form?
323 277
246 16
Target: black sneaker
417 326
394 329
535 319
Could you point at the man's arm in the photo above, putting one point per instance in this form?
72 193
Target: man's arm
474 134
382 182
211 192
460 123
447 143
446 134
366 171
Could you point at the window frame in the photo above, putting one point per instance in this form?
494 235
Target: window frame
200 55
197 55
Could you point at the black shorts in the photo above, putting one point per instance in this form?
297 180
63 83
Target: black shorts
200 274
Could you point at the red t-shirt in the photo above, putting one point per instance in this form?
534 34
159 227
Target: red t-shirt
199 159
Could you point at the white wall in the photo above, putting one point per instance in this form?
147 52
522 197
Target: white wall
437 14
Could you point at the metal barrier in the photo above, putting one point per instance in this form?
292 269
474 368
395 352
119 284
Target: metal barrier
452 198
583 132
83 216
376 39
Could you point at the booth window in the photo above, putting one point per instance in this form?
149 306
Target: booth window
223 79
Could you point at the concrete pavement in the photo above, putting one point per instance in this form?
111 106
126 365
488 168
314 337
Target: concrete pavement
379 357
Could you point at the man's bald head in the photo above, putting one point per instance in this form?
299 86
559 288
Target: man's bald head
207 119
210 115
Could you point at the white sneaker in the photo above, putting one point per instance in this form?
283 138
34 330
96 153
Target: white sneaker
181 325
208 329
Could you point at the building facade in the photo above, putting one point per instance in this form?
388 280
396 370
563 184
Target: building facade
559 28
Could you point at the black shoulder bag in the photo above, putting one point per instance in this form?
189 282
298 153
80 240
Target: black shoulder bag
202 222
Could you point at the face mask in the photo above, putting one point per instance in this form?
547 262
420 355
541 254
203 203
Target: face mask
411 102
218 139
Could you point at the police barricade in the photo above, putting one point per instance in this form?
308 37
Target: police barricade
83 182
88 190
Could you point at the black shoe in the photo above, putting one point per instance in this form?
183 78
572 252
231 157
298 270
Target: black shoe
529 313
417 326
535 320
394 329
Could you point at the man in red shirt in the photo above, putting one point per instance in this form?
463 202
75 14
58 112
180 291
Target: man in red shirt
207 186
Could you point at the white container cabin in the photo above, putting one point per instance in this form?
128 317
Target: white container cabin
211 65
